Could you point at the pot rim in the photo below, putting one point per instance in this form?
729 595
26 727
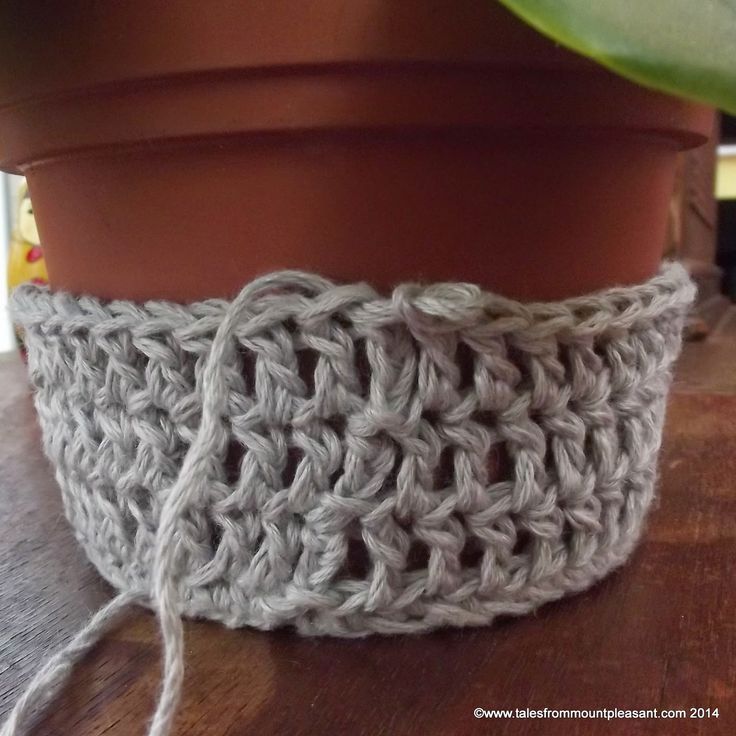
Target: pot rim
327 98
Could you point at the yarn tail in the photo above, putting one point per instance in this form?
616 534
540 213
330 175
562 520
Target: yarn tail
53 674
190 481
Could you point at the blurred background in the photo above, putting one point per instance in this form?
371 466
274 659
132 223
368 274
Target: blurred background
702 230
10 187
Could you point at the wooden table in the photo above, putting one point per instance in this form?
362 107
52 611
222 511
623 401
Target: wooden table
660 633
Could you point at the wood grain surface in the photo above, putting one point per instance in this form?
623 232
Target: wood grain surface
659 633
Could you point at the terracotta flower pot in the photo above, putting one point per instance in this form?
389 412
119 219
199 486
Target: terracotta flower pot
177 152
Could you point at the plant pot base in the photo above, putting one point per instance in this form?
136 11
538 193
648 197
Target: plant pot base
365 140
527 216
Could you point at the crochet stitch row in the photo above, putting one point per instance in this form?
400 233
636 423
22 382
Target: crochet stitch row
321 456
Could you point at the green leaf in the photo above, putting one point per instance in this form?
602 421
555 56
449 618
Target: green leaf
684 47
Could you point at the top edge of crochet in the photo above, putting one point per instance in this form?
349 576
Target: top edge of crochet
307 297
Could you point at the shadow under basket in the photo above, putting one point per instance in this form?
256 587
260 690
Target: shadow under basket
347 463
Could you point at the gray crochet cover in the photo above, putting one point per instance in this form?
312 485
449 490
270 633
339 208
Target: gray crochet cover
318 455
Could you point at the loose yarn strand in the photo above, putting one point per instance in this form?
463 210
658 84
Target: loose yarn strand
53 674
189 483
48 680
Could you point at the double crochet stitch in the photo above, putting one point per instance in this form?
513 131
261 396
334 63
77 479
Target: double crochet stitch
321 456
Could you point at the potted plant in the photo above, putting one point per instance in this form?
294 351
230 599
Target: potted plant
361 139
352 458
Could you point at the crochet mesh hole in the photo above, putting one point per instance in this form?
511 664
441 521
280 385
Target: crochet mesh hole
431 417
362 367
465 359
342 320
520 360
624 509
471 554
293 457
567 537
247 360
216 534
357 561
600 347
592 442
336 424
335 478
484 418
523 541
233 461
499 463
307 364
444 473
418 557
566 358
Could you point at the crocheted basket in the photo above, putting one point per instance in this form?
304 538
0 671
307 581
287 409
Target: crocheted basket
324 457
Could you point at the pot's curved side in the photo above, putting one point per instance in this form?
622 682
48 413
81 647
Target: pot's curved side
360 139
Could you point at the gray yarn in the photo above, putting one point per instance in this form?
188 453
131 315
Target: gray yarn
320 456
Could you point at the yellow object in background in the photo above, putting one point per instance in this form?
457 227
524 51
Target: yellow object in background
26 262
726 172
